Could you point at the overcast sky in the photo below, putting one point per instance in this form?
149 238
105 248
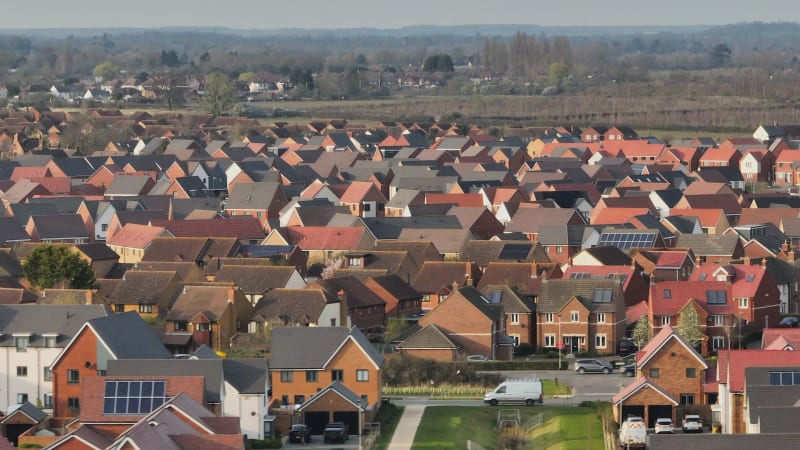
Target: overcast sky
275 14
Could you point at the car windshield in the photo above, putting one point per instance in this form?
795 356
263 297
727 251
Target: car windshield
664 421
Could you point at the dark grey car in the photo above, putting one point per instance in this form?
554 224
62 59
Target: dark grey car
592 366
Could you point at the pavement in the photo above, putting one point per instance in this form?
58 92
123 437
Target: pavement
407 427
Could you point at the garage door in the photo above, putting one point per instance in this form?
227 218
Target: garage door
316 421
631 410
349 418
657 412
14 430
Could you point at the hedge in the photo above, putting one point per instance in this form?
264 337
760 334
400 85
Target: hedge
518 365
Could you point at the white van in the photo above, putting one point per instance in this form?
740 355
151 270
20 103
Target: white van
633 433
528 392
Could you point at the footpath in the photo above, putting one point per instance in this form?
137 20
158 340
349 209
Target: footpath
407 427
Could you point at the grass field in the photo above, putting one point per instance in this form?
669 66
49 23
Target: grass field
564 428
388 416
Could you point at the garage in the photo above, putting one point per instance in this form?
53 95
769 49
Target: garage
316 420
631 410
350 418
657 412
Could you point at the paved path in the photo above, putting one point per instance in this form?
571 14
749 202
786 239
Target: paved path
407 427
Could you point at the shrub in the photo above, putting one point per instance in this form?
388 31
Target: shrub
524 349
583 354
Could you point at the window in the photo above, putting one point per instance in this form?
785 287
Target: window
515 337
22 371
691 372
784 378
549 340
367 207
145 309
181 326
74 403
48 374
574 316
548 318
716 297
337 375
299 399
22 398
743 301
364 399
703 276
600 340
654 373
718 342
664 321
287 376
73 376
362 375
47 402
104 227
559 249
311 376
667 293
514 318
355 262
601 317
687 399
50 341
284 400
202 327
119 308
717 320
426 297
21 342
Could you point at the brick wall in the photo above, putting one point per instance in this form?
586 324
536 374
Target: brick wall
82 350
465 322
672 361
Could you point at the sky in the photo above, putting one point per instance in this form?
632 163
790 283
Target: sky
337 14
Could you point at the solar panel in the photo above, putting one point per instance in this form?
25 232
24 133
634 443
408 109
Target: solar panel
602 296
625 241
134 397
515 251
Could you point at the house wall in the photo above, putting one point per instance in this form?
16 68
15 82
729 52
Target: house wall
466 323
243 406
36 359
445 354
646 396
525 329
349 359
672 361
127 254
567 328
83 349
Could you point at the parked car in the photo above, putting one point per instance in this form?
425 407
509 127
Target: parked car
477 358
633 433
789 322
628 370
593 366
663 425
300 433
335 432
692 423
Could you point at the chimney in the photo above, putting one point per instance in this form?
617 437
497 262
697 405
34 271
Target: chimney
88 296
454 286
231 293
184 289
763 262
697 261
785 247
534 269
544 276
343 308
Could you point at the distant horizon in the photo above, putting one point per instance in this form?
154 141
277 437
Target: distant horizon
257 15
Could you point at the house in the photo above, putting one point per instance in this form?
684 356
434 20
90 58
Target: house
520 314
436 280
634 285
580 315
324 245
337 377
131 241
206 314
364 199
401 299
295 307
376 263
262 200
359 304
757 166
175 419
65 229
771 399
19 419
31 337
670 377
429 342
117 336
256 280
146 292
729 410
475 321
712 248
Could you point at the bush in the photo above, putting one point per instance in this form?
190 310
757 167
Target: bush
583 354
266 443
524 349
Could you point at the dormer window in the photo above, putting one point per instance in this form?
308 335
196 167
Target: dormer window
50 340
355 262
21 342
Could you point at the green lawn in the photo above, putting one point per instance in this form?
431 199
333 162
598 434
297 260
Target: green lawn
446 427
389 415
551 388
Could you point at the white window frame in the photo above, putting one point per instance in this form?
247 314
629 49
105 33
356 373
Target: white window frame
362 375
665 320
548 317
514 318
574 316
719 320
550 340
743 302
600 341
601 317
717 342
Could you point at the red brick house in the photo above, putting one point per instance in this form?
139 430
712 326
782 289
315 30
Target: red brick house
475 321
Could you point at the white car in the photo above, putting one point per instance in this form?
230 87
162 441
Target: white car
692 423
663 425
477 358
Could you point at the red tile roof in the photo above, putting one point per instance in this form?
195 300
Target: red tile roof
708 217
638 385
472 199
636 311
240 227
788 336
616 216
135 236
680 292
324 238
671 259
746 277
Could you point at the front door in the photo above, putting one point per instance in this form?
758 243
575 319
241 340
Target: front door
571 343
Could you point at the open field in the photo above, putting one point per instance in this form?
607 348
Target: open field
445 427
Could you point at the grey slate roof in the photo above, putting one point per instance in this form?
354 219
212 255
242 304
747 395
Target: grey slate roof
210 369
256 279
36 414
555 294
318 343
562 235
248 376
64 320
392 227
129 337
66 226
722 441
429 337
709 245
252 195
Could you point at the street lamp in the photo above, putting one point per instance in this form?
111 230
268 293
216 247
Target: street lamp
559 342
